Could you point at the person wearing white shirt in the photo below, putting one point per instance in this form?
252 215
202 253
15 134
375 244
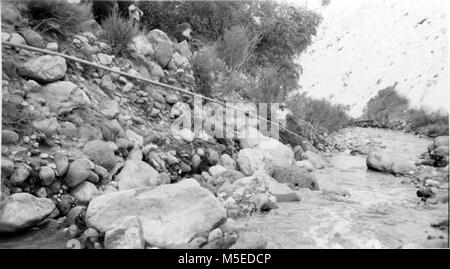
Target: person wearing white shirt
281 115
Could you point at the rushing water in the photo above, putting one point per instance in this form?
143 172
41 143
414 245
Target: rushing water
382 212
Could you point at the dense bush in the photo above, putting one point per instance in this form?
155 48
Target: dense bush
431 124
324 116
234 47
58 16
206 66
388 106
118 31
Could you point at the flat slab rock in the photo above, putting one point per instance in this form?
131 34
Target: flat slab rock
169 214
23 210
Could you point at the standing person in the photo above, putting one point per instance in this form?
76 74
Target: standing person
281 115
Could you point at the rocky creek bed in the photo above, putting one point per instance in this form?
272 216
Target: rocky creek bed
354 208
357 207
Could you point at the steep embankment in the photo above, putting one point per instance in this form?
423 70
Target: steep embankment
366 46
79 143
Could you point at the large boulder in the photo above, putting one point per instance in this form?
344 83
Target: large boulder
44 68
295 176
283 155
61 96
163 46
379 162
101 153
137 174
251 160
140 44
383 162
23 210
170 214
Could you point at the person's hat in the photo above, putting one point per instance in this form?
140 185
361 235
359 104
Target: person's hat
132 7
283 105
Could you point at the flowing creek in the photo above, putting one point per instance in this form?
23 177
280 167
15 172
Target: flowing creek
382 212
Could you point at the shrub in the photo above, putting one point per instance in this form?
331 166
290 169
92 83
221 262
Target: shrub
386 105
321 114
118 31
427 123
58 15
234 47
206 66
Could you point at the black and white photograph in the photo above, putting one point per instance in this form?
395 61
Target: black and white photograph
234 126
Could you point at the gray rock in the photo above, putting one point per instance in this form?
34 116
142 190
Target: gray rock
127 235
215 234
84 192
33 38
73 214
65 203
212 156
68 129
228 176
93 177
17 39
78 172
137 174
9 137
216 170
140 45
296 176
179 212
44 68
105 59
171 98
48 126
63 96
22 210
251 160
62 163
53 46
20 174
100 153
227 162
7 167
32 86
163 46
47 176
183 49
